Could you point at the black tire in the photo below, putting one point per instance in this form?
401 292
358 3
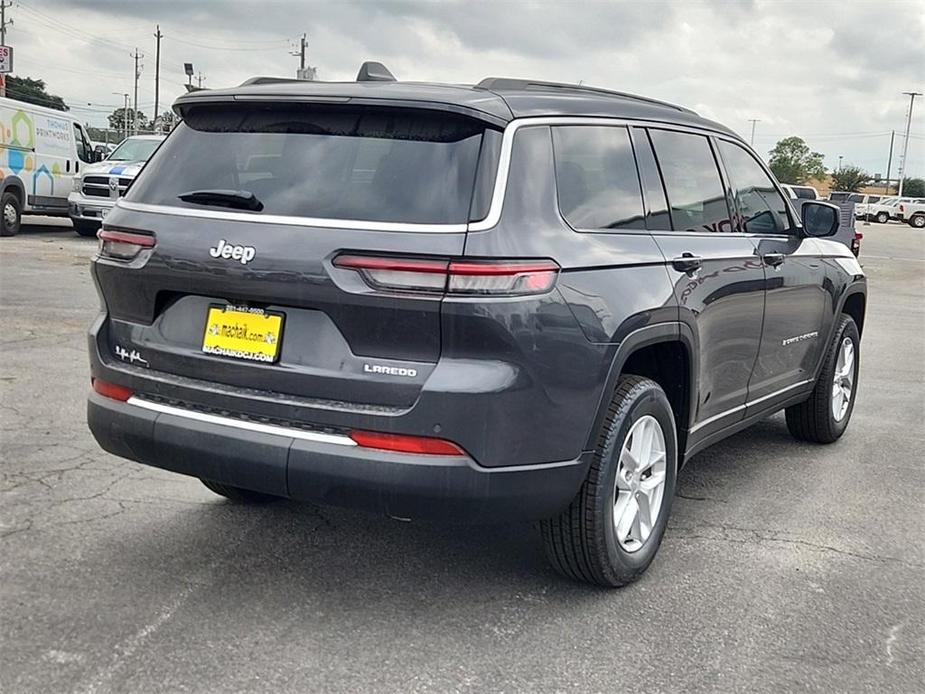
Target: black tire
814 420
85 228
242 496
582 542
12 200
917 221
882 218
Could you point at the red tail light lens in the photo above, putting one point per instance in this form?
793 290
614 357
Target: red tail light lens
509 277
123 245
111 390
406 444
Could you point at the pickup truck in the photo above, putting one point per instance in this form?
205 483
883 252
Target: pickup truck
913 213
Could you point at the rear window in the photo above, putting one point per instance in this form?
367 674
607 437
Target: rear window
331 162
804 193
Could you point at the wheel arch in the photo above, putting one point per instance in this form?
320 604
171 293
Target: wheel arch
666 353
854 304
14 184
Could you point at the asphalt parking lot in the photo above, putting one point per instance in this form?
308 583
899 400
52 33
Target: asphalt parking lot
786 566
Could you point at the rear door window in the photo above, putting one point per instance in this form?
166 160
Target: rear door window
329 162
696 197
596 178
762 209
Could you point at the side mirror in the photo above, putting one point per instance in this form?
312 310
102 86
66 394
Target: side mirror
819 218
96 156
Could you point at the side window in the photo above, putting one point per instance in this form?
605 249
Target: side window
762 208
596 177
83 147
695 191
657 218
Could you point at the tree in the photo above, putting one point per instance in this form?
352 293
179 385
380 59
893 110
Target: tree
117 119
914 187
849 179
33 92
793 162
165 122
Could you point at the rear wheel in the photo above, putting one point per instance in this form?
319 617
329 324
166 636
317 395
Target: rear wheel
612 529
824 417
243 496
85 228
10 214
882 217
918 221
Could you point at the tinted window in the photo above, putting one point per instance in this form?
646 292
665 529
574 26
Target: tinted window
854 197
83 147
334 162
657 218
596 178
692 181
804 193
762 208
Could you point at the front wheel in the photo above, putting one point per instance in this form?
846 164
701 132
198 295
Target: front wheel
10 214
824 417
611 531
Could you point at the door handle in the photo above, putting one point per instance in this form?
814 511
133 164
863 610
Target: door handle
688 262
773 259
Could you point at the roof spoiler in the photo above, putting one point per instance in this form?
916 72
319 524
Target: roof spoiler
268 80
371 71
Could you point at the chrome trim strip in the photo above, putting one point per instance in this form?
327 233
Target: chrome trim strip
317 437
358 225
750 403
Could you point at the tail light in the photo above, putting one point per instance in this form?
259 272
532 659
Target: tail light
406 444
111 390
123 245
480 277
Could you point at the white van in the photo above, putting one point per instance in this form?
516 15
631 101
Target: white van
40 151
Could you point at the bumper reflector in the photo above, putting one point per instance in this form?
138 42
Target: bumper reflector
406 444
111 390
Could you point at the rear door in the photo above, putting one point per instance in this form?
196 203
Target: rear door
322 181
719 281
797 302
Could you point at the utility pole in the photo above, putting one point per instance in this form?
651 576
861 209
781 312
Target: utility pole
137 56
124 113
3 25
300 52
889 162
753 121
902 166
840 157
157 75
199 79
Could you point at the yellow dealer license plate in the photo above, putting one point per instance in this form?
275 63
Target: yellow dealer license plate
243 333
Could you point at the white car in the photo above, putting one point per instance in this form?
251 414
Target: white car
99 186
862 203
800 192
913 213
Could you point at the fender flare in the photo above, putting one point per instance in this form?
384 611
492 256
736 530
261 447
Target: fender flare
16 183
674 331
854 288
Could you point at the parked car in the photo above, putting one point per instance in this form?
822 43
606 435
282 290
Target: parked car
839 196
509 300
98 186
862 203
913 213
42 149
846 232
881 210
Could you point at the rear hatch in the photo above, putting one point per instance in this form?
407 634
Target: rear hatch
241 215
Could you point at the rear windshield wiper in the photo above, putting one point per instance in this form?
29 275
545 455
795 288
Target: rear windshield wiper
239 199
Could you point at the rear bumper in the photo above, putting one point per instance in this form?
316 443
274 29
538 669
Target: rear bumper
323 468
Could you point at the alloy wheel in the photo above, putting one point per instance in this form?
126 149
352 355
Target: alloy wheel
843 384
640 483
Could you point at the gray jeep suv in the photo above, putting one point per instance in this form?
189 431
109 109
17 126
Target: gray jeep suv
509 300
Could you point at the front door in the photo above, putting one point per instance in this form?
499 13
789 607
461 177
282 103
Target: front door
797 303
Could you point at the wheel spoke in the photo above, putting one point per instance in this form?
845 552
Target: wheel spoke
645 516
625 512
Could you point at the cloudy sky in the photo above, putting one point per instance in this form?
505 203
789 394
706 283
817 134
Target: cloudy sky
830 72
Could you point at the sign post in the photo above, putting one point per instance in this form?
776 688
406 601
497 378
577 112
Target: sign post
6 66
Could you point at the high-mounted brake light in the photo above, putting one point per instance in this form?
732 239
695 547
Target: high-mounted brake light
123 245
490 277
111 390
406 444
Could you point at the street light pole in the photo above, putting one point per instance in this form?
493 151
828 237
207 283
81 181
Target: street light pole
753 121
903 167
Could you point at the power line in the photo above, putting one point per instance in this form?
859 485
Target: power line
198 44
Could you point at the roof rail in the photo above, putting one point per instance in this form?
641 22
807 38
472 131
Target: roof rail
269 80
502 84
371 71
